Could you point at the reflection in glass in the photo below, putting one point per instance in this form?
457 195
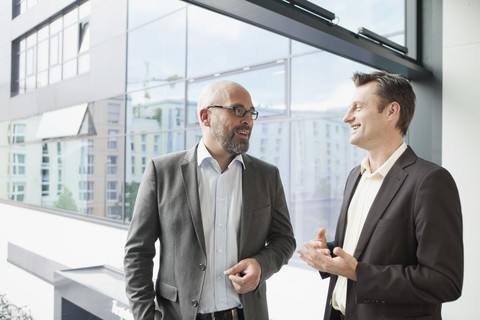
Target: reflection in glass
160 108
321 83
143 11
139 149
217 43
156 52
269 142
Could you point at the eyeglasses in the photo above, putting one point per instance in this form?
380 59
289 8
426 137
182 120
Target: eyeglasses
239 111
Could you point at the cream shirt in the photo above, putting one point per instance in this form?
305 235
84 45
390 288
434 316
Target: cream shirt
362 200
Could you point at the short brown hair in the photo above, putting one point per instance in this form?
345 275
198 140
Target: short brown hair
391 88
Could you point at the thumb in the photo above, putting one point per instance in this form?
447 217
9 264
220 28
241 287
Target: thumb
339 252
234 270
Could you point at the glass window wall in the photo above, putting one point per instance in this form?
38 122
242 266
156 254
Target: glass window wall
56 50
174 50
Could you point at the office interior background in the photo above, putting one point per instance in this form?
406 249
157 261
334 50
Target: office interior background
91 89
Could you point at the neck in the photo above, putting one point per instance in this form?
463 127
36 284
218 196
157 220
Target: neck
220 155
376 158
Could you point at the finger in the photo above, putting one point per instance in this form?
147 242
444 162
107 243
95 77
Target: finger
321 234
236 269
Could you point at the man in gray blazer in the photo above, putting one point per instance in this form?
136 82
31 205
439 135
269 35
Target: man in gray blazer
398 248
220 217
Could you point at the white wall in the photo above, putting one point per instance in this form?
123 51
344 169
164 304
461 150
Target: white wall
461 148
293 293
71 242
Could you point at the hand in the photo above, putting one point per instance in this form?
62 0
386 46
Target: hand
320 242
245 275
318 256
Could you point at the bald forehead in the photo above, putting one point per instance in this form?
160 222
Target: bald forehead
219 92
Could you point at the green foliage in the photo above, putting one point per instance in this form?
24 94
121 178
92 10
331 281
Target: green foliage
66 201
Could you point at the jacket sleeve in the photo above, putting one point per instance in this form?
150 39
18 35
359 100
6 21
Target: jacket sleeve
140 248
436 274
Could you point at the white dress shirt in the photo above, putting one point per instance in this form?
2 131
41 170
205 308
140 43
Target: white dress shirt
362 200
221 206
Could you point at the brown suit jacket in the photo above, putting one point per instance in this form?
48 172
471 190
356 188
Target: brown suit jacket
410 250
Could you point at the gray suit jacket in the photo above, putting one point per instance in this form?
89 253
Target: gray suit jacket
410 250
168 209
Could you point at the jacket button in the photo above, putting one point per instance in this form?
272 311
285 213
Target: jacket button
195 303
202 267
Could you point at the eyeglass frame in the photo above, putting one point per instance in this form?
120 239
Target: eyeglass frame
253 114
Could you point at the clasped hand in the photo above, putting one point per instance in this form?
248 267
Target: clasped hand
318 256
245 275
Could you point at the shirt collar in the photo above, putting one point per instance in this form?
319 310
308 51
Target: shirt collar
203 154
383 170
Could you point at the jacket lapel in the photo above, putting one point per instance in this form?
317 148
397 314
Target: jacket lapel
390 186
248 192
189 173
350 187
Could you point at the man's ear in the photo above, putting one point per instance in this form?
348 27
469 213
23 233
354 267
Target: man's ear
393 110
204 117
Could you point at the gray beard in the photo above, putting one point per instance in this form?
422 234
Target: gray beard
230 142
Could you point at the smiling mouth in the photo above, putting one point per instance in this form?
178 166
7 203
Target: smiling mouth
355 127
243 133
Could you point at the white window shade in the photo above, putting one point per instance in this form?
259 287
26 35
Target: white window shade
67 122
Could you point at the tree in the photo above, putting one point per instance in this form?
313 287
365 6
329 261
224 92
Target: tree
66 201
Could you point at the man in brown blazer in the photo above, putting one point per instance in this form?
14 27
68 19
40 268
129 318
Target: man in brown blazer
220 217
398 248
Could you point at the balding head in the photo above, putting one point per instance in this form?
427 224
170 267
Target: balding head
224 133
217 93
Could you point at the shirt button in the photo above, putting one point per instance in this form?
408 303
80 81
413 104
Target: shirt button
219 277
202 267
195 303
220 225
219 250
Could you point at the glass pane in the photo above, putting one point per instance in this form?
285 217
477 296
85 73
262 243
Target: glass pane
54 57
84 10
321 160
143 11
69 69
70 18
55 74
228 43
269 143
154 109
43 33
139 149
43 55
30 83
85 38
56 26
321 84
70 42
156 52
321 153
30 64
42 79
387 18
25 173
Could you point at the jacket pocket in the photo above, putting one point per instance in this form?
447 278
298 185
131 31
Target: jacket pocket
167 291
264 211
